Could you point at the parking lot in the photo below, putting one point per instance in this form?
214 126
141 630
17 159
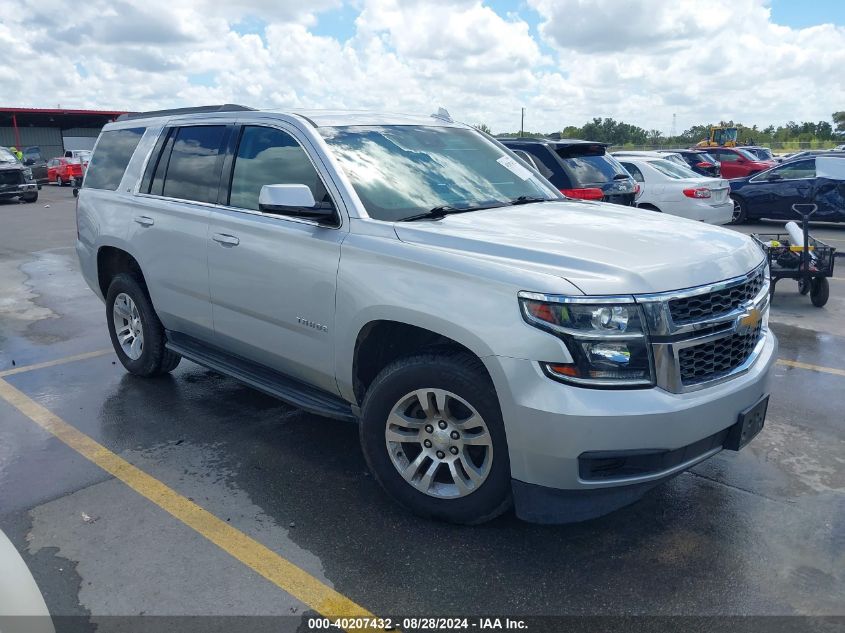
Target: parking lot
192 494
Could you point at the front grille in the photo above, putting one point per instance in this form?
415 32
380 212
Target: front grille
11 177
714 304
710 361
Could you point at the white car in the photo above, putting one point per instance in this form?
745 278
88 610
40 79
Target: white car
672 157
670 188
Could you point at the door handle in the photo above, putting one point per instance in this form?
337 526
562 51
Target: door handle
225 240
144 220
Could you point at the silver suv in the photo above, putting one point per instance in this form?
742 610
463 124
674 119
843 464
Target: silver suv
495 341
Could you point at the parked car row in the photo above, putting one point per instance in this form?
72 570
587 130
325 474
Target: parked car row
62 170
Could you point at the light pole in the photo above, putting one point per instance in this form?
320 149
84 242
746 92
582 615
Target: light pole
522 124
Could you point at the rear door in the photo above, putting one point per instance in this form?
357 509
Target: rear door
169 228
274 275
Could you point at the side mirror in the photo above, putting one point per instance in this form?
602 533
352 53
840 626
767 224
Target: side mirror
29 162
292 200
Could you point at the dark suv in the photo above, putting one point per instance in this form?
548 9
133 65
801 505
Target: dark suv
579 169
16 179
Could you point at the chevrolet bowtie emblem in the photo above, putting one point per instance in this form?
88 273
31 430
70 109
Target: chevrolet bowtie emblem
749 321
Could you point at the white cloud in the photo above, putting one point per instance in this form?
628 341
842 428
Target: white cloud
639 61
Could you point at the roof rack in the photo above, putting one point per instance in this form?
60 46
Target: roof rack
226 107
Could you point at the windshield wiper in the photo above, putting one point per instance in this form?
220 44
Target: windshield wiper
528 200
439 212
621 177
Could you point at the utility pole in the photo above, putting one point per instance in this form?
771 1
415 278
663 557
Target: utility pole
522 124
674 128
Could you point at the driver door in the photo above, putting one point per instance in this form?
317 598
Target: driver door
273 276
773 192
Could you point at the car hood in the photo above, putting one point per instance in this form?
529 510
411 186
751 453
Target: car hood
11 167
603 249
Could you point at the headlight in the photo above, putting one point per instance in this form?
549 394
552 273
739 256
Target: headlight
607 341
27 173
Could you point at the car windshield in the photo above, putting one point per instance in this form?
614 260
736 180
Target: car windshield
589 164
704 157
672 170
6 156
402 171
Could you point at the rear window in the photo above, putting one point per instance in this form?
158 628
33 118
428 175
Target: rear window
672 170
590 164
114 150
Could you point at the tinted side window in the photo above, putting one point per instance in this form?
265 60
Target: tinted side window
727 157
267 156
193 171
114 149
799 169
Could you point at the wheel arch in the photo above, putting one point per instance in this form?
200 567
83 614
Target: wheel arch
113 260
380 341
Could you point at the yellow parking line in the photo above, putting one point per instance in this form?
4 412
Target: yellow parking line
800 365
53 363
264 561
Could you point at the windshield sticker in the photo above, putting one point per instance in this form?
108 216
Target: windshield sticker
514 165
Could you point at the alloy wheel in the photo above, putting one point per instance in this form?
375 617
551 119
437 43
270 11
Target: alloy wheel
439 443
128 326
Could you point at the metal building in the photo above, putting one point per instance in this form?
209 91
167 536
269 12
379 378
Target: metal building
52 130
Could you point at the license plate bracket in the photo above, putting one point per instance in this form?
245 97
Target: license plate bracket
749 424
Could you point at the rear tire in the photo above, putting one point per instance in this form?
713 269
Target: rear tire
30 197
819 291
649 207
136 333
740 214
437 443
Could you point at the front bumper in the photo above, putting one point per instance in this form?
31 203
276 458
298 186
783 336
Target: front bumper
12 191
550 425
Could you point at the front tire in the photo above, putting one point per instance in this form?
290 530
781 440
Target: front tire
59 182
136 333
433 437
30 197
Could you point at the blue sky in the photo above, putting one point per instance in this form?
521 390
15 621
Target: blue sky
340 23
803 13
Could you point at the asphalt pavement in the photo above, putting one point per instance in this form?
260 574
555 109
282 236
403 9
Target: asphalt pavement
194 494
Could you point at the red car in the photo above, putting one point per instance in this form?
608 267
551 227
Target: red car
64 171
737 162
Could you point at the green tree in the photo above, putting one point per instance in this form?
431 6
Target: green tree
839 120
482 127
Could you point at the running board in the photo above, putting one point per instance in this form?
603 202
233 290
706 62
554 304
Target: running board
269 381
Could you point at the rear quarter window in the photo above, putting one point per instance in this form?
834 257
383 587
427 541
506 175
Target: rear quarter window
112 155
